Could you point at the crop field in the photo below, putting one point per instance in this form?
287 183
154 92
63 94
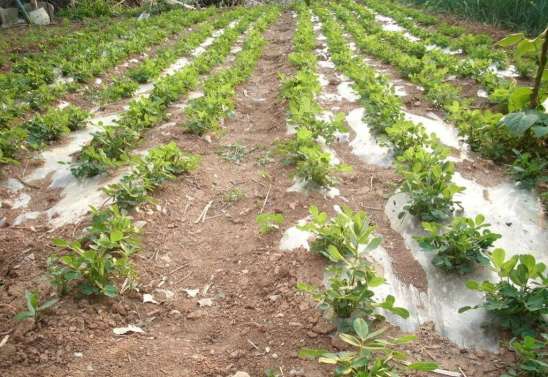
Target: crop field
317 188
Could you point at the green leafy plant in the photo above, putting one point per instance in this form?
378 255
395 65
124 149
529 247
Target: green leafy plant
352 277
234 195
271 373
234 152
55 123
118 89
366 361
264 159
291 149
459 245
315 168
162 163
519 300
527 170
427 183
269 221
404 135
94 267
334 231
33 304
531 355
57 274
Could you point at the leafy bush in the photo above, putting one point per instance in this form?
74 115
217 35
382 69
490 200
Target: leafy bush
353 277
95 268
118 89
316 169
161 164
527 170
333 231
55 123
404 135
269 221
291 149
532 357
519 300
364 362
459 245
428 183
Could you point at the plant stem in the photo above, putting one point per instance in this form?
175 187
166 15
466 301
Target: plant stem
541 66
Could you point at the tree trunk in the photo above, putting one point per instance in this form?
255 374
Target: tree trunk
540 72
34 4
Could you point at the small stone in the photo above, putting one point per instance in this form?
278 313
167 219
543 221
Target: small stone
481 354
274 356
337 343
312 334
273 298
197 314
241 374
295 324
72 328
324 326
235 355
293 206
120 309
174 314
275 257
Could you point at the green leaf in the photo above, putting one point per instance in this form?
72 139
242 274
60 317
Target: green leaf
540 131
376 281
312 353
423 366
373 244
350 340
472 284
519 97
464 309
518 123
525 46
361 328
60 242
404 313
116 236
22 316
510 40
498 257
48 304
334 253
529 261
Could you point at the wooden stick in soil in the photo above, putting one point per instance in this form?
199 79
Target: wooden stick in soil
266 199
203 214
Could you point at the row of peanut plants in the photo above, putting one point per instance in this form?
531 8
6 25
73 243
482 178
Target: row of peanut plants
518 302
345 240
13 137
493 135
103 256
478 46
313 165
110 147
